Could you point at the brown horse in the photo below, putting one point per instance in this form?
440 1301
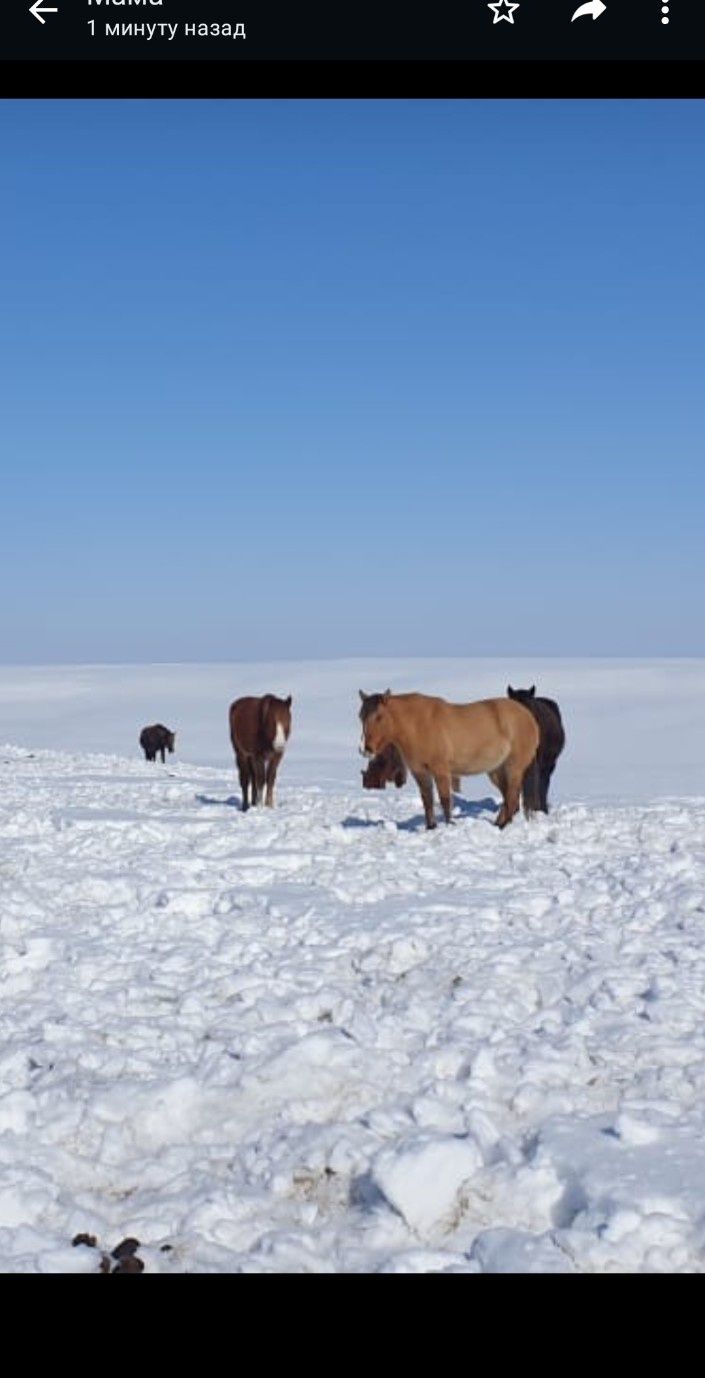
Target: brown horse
388 765
259 732
439 740
384 769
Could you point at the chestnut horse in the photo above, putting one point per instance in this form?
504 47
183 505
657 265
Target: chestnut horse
384 769
259 732
552 735
439 740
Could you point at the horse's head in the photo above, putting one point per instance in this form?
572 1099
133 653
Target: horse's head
276 718
375 777
521 695
376 725
386 768
170 741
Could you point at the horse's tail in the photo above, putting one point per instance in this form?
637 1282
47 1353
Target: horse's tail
531 787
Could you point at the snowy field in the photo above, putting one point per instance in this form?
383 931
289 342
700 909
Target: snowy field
320 1038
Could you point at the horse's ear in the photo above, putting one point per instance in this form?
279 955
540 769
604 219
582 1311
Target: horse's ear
531 691
288 701
510 692
364 697
386 695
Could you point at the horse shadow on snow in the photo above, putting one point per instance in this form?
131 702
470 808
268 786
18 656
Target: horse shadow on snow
462 808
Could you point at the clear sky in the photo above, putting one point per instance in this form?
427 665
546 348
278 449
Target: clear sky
312 378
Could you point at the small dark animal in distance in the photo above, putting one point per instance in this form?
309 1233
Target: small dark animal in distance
157 740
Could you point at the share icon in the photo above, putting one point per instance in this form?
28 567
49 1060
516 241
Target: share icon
594 8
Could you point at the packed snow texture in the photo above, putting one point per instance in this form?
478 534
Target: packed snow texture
319 1038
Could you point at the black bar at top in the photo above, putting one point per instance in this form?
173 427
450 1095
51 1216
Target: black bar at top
533 31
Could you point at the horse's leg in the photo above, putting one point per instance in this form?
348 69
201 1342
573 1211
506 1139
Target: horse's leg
425 784
272 768
244 778
513 776
531 787
498 780
163 754
443 785
456 784
547 769
259 779
252 782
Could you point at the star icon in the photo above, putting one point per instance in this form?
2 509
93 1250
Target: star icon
503 9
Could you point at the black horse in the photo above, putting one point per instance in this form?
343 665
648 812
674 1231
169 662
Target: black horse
157 740
552 738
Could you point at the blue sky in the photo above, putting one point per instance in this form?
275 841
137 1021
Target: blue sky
310 378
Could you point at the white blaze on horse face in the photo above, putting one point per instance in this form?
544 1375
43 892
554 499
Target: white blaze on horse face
364 750
279 742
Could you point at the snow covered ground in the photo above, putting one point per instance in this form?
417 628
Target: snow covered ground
321 1039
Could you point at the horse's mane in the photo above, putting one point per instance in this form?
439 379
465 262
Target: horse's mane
370 705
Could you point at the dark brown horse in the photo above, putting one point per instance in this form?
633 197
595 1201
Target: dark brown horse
440 741
259 732
157 740
384 769
551 735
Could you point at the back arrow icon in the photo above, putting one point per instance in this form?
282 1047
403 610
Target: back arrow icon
595 8
38 12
